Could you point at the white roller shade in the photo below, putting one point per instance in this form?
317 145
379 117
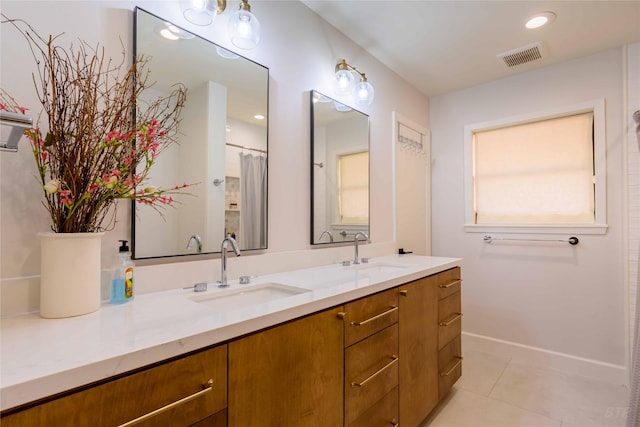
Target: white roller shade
536 173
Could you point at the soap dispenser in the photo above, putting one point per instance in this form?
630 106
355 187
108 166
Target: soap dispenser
122 282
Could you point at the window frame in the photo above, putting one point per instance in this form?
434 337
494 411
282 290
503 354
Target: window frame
597 107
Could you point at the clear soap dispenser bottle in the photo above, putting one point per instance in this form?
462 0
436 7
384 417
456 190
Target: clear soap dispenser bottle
122 282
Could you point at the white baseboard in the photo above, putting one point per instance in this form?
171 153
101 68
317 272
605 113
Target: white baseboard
594 369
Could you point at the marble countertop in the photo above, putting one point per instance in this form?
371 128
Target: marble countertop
41 357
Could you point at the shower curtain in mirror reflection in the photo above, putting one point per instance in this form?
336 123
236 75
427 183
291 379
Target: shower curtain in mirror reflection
253 190
633 416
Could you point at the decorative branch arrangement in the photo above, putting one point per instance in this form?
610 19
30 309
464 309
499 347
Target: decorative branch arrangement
100 144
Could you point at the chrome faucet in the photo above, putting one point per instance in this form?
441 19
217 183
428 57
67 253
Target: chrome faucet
355 245
326 232
198 241
223 259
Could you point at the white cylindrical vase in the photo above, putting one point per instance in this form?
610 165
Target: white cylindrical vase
69 274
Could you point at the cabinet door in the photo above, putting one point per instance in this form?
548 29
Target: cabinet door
176 393
418 350
289 375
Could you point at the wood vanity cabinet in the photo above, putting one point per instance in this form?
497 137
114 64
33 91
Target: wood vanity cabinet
371 360
192 391
378 361
427 348
418 350
289 375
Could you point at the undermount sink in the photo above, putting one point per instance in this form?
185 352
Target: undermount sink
246 296
379 267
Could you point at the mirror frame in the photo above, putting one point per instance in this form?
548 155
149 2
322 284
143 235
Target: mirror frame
312 121
136 11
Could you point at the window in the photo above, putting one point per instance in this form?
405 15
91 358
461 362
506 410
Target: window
353 188
543 171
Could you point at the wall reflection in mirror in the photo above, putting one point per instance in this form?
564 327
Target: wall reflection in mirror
222 145
339 171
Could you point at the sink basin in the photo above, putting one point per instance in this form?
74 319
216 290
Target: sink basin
379 267
246 296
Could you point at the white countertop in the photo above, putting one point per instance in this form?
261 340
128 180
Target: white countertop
41 357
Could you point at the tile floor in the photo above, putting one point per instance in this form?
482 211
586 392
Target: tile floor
496 391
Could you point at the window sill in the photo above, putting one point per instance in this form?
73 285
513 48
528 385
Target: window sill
537 229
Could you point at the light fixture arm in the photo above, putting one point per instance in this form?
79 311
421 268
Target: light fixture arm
244 5
342 65
221 6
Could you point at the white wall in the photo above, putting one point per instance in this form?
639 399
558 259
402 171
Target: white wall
299 49
552 298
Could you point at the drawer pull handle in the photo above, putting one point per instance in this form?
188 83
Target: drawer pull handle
207 388
404 292
394 423
394 359
453 319
446 374
377 316
448 285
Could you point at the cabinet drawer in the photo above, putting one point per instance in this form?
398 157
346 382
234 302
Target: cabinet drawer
371 371
449 319
383 413
128 398
369 315
216 420
448 282
449 366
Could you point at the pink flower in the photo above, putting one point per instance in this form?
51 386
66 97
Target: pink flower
64 197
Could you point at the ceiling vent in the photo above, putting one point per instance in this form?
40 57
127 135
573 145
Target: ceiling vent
522 55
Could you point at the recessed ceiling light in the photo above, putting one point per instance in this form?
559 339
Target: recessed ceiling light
540 19
258 117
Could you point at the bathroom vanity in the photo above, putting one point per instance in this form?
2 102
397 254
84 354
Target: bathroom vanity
363 345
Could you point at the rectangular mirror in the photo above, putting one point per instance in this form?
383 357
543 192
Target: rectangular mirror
222 146
339 171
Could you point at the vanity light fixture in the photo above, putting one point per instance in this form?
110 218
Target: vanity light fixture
171 32
244 27
540 19
202 12
226 53
345 84
318 97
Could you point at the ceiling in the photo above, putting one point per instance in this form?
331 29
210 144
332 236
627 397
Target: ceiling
442 46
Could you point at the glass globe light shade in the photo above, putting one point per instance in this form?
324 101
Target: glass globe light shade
244 29
344 82
341 107
199 12
363 93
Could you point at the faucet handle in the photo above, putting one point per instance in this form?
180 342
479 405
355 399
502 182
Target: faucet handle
198 287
